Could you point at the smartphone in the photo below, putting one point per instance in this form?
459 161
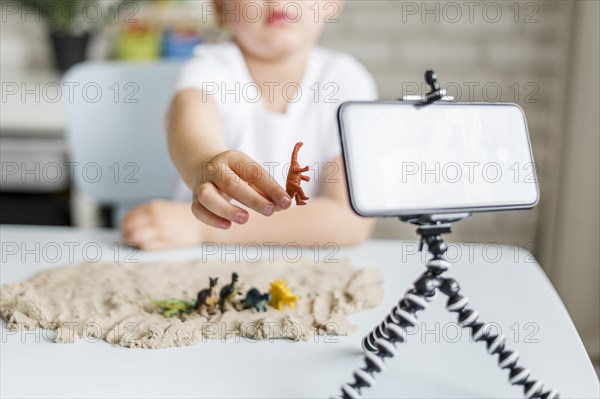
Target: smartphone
403 159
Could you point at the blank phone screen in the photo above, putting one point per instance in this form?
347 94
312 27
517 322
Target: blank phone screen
407 160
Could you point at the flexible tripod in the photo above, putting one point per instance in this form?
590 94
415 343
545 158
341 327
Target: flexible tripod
381 342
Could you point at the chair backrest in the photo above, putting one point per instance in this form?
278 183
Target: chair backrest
116 130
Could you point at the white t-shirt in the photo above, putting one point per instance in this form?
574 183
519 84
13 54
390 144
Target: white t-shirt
311 116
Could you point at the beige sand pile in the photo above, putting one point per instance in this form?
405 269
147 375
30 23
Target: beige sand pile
109 301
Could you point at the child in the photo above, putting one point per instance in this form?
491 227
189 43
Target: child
239 109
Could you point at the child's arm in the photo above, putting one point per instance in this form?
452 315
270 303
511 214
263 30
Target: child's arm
326 219
211 171
195 132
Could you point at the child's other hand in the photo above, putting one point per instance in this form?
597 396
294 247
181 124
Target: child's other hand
235 175
161 225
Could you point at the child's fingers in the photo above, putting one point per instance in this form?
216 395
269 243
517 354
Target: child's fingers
144 237
213 201
209 218
135 220
232 185
257 176
137 229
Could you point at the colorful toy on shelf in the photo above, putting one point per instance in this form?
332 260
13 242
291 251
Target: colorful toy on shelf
228 293
254 299
208 297
179 43
138 41
295 177
172 307
281 295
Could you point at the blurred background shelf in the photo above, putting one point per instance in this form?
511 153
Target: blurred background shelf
34 96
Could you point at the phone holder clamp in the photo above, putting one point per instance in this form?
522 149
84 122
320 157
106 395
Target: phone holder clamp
436 93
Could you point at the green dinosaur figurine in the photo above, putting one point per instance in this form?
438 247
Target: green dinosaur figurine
172 307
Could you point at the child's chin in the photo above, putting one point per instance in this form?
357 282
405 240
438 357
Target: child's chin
284 46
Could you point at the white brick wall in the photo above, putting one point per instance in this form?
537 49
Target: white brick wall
392 40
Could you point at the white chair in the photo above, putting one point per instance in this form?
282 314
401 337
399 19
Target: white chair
116 132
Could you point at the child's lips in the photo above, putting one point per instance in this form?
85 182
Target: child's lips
277 17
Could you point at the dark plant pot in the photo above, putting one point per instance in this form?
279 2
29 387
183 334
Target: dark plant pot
69 49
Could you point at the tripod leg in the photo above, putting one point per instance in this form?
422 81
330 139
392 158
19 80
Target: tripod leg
381 343
507 359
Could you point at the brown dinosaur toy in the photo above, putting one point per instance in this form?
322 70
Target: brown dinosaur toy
208 298
295 177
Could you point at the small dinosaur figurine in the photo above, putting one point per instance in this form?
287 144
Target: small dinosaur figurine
295 177
228 293
208 297
172 307
254 299
281 295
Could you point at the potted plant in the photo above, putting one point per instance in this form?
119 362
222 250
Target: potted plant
71 24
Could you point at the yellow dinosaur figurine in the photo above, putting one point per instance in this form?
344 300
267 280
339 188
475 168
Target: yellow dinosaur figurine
281 295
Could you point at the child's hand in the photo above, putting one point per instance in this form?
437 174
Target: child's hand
161 225
233 174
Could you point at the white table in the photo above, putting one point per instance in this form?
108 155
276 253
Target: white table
512 292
